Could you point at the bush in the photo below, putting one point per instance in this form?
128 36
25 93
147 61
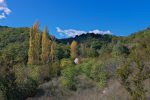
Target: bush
120 49
98 74
28 89
132 79
68 78
44 73
8 86
55 69
21 73
94 70
34 72
87 66
65 62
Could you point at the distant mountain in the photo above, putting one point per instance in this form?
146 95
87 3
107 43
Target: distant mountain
89 37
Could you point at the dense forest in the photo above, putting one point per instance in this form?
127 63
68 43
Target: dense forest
34 65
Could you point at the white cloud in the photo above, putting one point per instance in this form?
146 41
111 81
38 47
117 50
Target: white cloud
73 32
2 16
1 1
4 10
70 32
100 32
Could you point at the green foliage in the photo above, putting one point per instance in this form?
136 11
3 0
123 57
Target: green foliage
55 69
21 73
17 52
68 77
34 72
133 79
8 86
98 74
62 51
99 55
120 49
91 52
93 69
28 89
65 63
102 78
87 66
14 43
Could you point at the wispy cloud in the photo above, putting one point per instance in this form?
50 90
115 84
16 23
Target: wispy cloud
73 32
4 10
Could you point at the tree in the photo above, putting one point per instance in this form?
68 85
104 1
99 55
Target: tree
31 48
34 45
73 49
53 51
37 42
45 46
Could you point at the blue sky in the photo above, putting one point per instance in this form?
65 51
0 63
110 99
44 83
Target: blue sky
121 17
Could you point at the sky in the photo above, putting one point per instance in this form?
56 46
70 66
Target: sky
67 18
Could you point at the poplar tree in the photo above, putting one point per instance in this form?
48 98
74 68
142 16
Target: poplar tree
37 42
45 46
53 51
34 45
73 49
31 48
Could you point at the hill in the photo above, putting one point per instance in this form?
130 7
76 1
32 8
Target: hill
109 66
15 42
87 38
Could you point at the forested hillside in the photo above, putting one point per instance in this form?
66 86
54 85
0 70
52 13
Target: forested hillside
36 65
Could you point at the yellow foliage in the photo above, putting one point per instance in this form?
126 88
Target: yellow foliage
73 47
45 46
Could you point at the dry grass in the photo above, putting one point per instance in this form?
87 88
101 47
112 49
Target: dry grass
87 90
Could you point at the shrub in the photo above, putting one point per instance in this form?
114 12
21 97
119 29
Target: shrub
132 79
98 74
28 89
87 66
44 72
65 62
120 49
20 72
8 86
68 78
55 69
34 72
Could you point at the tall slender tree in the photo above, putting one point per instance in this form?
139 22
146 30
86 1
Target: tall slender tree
45 46
31 48
73 47
53 51
34 45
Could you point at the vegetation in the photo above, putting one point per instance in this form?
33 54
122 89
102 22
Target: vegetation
34 45
45 47
73 49
32 61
